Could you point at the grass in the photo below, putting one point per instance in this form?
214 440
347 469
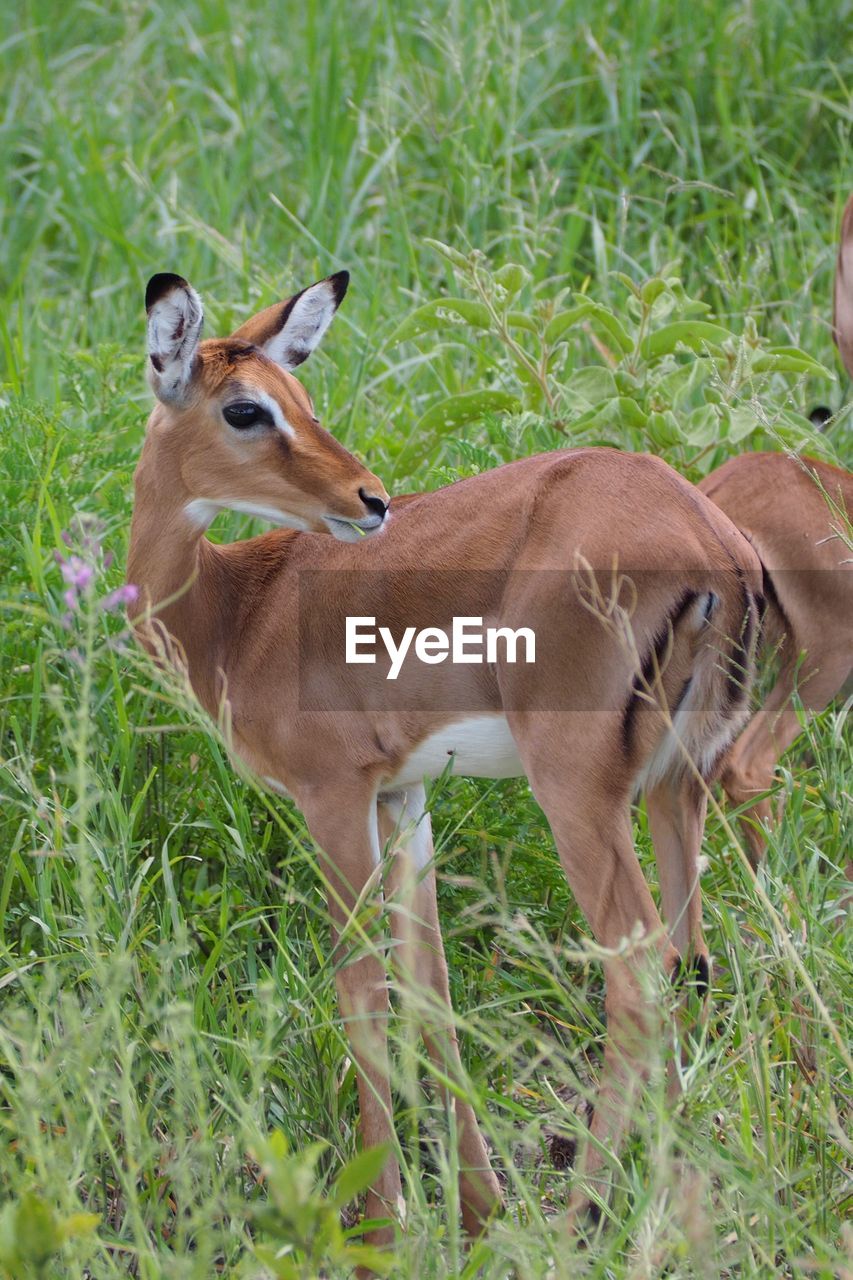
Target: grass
166 998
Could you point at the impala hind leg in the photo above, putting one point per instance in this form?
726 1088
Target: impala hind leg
676 812
345 827
590 818
421 967
606 879
750 766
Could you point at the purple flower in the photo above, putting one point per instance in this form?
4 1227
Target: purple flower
81 569
128 594
77 572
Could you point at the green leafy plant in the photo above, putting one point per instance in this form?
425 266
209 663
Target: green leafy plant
665 376
301 1222
32 1234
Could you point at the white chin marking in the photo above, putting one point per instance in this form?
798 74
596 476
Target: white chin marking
344 531
353 530
478 746
202 511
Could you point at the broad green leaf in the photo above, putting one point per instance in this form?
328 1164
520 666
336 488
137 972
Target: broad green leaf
512 277
677 386
618 411
665 305
518 320
626 382
8 1251
358 1173
278 1145
598 316
742 422
687 306
703 426
278 1265
557 327
37 1236
379 1261
591 385
627 282
629 412
466 407
612 327
788 360
79 1224
652 290
452 255
798 434
664 429
442 313
698 335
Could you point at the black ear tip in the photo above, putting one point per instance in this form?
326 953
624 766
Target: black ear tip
161 284
340 283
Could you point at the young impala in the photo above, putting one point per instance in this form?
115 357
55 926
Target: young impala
643 696
794 513
779 504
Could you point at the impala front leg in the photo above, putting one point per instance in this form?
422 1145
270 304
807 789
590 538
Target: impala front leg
421 966
343 823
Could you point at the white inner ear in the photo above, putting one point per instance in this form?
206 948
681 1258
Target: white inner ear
174 328
309 318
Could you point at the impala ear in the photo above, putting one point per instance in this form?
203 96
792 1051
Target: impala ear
175 318
842 311
288 332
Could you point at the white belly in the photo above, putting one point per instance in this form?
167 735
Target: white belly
476 747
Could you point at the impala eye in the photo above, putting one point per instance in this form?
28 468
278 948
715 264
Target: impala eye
243 413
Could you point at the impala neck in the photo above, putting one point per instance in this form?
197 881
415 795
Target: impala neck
170 560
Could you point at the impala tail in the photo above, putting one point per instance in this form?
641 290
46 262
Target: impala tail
696 676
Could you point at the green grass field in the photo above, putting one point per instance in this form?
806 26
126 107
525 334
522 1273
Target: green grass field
169 1049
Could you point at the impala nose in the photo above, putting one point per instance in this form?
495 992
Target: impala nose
376 506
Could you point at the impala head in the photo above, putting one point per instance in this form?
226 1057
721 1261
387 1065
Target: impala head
239 428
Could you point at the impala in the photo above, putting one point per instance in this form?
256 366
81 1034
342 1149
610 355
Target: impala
641 595
778 502
796 514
